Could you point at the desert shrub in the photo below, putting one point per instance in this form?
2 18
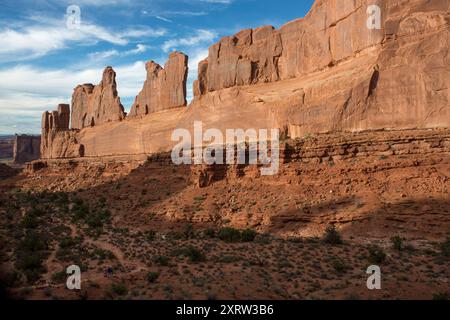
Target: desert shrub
263 238
102 254
229 235
79 210
30 221
150 235
31 265
376 254
440 296
339 266
397 243
33 242
188 231
194 254
11 279
152 277
161 260
248 235
445 248
176 235
119 288
210 233
96 220
59 277
67 242
332 236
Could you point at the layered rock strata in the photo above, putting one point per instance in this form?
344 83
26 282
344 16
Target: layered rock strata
348 66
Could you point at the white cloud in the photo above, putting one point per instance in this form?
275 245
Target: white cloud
102 55
36 41
30 91
202 36
162 19
140 48
105 55
218 1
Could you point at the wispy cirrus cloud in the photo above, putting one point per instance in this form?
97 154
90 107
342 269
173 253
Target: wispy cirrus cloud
38 40
104 55
200 37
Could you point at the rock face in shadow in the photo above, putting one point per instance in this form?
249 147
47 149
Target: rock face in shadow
165 88
95 105
26 148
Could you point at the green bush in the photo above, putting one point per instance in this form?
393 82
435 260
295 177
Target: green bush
66 243
59 277
150 235
194 254
248 235
445 248
161 260
152 277
376 254
339 266
210 233
29 221
397 243
188 231
11 279
440 296
119 288
229 235
33 242
332 236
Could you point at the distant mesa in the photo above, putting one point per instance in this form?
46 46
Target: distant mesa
26 148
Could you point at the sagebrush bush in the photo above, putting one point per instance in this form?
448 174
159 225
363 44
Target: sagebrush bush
397 243
445 248
229 235
152 277
248 235
376 254
332 236
119 288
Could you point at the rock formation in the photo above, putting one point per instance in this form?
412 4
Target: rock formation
164 88
57 141
6 147
95 105
26 148
335 70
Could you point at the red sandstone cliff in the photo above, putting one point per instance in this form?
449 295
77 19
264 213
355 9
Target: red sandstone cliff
93 105
326 72
164 88
57 141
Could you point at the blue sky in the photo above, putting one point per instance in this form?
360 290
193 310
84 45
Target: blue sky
42 60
